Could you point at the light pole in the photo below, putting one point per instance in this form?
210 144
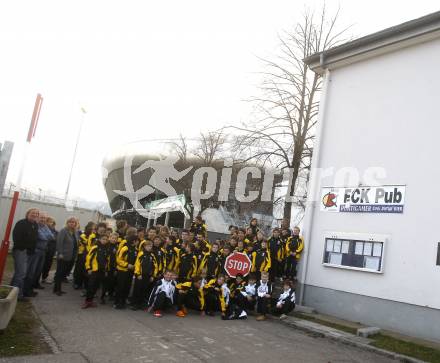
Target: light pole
83 115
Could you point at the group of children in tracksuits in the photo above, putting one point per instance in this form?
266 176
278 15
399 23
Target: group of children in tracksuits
164 270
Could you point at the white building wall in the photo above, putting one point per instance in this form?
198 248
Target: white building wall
58 212
385 112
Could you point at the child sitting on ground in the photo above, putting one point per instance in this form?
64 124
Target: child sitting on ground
245 298
162 296
286 301
263 295
190 295
214 297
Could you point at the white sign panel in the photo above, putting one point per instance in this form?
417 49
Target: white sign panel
364 199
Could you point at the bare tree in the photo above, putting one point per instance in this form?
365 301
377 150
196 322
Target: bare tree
206 150
180 147
210 146
286 111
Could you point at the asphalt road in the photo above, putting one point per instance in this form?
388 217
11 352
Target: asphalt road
103 334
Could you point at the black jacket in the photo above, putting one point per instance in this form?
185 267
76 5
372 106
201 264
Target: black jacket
25 235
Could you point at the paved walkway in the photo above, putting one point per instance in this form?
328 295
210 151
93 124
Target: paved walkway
107 335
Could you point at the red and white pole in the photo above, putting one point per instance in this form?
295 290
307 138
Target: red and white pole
31 133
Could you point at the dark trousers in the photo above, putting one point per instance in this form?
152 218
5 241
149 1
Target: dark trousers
162 302
123 286
212 302
189 301
243 303
111 283
48 260
291 267
141 291
107 285
275 269
60 274
79 273
35 263
263 305
287 307
71 264
20 269
96 280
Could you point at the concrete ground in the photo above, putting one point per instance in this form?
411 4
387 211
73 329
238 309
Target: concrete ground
103 334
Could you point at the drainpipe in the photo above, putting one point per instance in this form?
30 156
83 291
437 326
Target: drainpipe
313 183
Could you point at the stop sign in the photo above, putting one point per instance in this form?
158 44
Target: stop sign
237 263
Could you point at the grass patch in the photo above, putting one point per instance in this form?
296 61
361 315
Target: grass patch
407 348
386 342
325 323
23 336
4 292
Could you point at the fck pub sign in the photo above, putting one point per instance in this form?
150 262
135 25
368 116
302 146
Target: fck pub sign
363 199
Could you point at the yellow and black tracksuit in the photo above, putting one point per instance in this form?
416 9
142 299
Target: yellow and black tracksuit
190 297
159 253
294 247
111 278
261 261
277 250
126 255
212 262
235 287
187 266
79 273
241 250
145 271
198 228
98 263
285 303
245 299
214 297
171 257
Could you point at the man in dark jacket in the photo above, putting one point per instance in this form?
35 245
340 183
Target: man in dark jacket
24 235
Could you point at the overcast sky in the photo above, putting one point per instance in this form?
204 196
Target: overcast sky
143 70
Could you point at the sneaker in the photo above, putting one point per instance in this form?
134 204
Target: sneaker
261 317
39 287
180 314
86 305
157 314
283 316
243 315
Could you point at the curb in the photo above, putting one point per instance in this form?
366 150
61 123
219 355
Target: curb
344 338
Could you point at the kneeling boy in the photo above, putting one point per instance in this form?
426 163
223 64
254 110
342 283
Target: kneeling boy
162 295
190 295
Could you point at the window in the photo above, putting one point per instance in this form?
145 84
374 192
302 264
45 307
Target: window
361 254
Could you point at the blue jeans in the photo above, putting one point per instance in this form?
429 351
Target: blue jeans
35 266
20 269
